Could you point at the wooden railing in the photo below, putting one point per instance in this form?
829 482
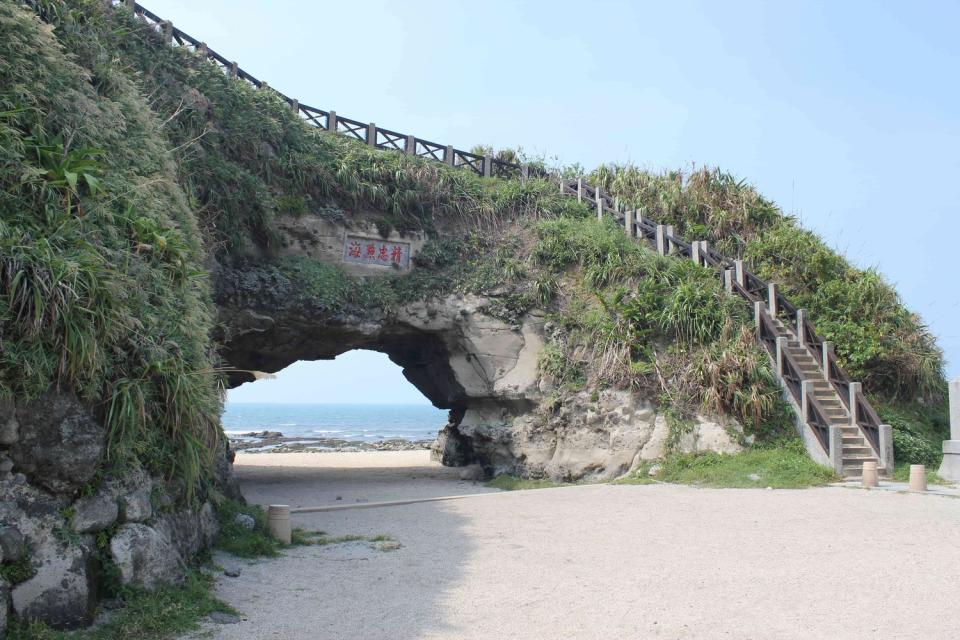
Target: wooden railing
739 280
366 132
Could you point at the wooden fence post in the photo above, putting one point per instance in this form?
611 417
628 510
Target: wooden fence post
739 273
695 251
295 105
203 50
332 121
410 147
670 245
448 156
827 356
371 135
487 166
167 31
579 189
628 223
728 280
598 193
234 70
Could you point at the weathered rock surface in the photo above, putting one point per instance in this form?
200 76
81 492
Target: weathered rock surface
146 557
95 513
463 355
59 445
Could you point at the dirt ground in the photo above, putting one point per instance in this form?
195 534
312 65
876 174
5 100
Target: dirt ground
597 561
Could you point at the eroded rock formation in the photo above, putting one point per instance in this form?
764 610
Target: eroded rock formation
463 357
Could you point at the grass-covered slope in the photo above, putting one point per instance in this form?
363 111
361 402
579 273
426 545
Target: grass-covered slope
103 289
129 166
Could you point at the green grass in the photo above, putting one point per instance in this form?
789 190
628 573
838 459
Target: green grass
157 615
901 473
788 467
513 483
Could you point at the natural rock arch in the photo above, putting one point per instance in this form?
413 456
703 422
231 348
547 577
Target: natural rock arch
455 348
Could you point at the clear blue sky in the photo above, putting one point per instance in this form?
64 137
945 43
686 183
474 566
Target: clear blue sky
845 113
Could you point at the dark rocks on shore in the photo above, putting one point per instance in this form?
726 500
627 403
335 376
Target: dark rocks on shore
275 442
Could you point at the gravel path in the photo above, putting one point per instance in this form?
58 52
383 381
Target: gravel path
605 561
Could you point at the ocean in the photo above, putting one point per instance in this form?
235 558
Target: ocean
363 422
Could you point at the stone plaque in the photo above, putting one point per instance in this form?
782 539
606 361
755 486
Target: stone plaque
385 253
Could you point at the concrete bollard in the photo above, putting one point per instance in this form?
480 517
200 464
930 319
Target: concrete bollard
278 519
869 474
918 477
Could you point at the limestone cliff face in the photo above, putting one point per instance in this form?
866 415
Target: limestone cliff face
459 353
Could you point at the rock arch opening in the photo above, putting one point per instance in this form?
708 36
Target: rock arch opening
357 402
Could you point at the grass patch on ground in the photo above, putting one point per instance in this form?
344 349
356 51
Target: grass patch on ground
786 467
901 473
156 615
513 483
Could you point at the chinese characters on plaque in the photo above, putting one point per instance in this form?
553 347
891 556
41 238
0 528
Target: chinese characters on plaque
376 251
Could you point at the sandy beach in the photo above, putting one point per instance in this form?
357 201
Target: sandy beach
597 561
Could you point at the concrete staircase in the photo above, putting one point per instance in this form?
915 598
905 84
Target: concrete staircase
855 449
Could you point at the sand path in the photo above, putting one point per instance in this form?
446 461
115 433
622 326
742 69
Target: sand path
595 561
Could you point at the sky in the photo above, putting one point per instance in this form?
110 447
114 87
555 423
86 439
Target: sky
847 114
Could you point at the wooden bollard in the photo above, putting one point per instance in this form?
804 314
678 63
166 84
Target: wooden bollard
918 477
869 474
278 519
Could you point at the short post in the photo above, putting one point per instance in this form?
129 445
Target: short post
448 158
695 251
885 437
670 234
167 31
487 166
598 195
234 70
801 320
410 146
371 135
855 390
278 520
827 357
295 105
806 390
918 478
203 50
661 239
728 280
628 223
739 273
772 292
868 476
524 171
332 121
579 189
781 349
757 315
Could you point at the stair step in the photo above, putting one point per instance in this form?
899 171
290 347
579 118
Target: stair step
856 450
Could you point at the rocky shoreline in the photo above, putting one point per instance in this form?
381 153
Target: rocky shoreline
276 442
